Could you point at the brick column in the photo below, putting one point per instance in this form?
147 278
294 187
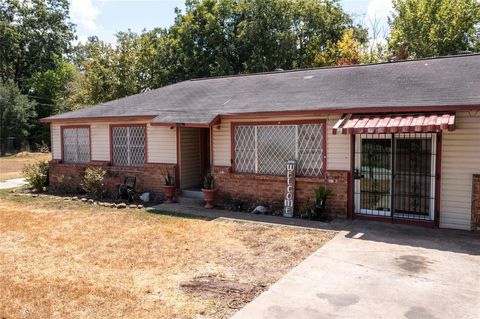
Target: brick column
476 202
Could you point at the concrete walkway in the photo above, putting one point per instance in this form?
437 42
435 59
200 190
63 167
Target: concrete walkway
199 211
12 183
379 270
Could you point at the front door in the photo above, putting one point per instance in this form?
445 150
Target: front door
395 175
194 156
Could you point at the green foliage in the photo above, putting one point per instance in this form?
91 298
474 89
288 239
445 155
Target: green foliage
208 180
321 194
16 113
345 51
42 147
307 210
168 179
36 175
425 28
220 37
32 34
93 181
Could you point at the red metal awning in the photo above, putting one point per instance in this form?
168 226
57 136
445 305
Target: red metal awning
394 123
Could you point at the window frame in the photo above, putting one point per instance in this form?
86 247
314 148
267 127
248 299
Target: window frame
145 145
233 125
62 146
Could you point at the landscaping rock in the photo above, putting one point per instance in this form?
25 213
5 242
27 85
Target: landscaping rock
111 205
84 200
90 201
34 195
132 206
74 198
67 198
121 206
139 206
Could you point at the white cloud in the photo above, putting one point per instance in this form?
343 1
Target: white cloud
84 14
379 9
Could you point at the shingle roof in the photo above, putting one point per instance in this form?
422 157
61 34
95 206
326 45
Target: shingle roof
445 81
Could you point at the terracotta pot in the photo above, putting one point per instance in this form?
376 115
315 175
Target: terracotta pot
208 195
169 191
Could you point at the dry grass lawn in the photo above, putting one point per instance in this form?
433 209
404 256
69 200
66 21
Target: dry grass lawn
62 259
11 166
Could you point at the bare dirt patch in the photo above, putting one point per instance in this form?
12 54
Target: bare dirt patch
70 260
234 293
11 166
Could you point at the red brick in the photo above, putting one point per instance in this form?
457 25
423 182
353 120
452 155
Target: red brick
476 202
67 177
268 190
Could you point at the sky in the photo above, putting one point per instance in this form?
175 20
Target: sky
104 18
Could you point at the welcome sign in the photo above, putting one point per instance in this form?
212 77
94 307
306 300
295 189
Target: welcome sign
289 200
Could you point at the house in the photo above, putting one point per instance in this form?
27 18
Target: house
398 142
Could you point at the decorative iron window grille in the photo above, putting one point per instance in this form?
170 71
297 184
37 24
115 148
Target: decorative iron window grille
264 149
128 145
76 145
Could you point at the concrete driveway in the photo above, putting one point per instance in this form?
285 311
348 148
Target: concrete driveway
379 270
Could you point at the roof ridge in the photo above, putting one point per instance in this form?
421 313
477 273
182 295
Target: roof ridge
333 67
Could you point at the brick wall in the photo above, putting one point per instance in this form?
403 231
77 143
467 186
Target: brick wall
269 190
67 177
476 202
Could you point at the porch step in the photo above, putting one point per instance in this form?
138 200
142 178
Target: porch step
192 194
189 201
191 198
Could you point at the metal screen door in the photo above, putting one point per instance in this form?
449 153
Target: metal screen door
395 175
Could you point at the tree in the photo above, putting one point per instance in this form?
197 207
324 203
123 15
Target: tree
425 28
222 37
16 113
32 34
346 51
96 60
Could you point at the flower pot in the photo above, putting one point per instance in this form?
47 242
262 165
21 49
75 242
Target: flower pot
169 191
208 195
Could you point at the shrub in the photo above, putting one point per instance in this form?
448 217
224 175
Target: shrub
93 181
308 211
321 195
36 175
42 147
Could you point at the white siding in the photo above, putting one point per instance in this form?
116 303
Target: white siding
100 139
460 160
338 146
56 141
162 144
190 168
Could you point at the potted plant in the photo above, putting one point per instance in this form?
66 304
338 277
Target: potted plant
208 190
169 187
321 195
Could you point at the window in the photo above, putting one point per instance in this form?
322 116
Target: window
76 144
264 149
128 145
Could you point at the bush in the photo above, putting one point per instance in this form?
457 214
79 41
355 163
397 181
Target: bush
93 181
42 147
36 175
308 210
